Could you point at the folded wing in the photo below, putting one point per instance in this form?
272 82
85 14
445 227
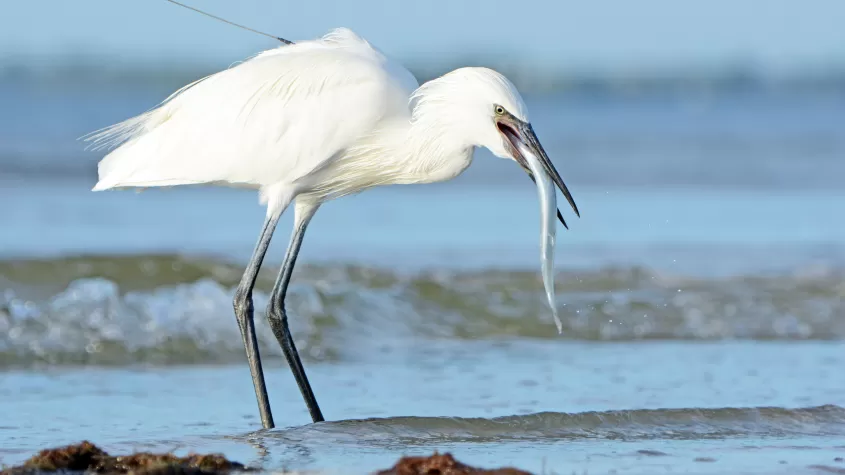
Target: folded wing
271 119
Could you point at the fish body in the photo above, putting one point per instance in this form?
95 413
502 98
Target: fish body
548 227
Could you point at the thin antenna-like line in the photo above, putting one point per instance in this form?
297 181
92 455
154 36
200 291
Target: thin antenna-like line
231 23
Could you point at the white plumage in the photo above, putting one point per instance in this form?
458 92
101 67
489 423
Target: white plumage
322 118
314 121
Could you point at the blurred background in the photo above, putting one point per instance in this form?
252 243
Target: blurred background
704 143
721 121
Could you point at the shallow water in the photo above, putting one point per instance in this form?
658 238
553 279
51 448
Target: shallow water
702 296
748 405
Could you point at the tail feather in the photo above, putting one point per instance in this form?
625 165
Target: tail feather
113 136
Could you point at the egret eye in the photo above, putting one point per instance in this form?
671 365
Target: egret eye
500 110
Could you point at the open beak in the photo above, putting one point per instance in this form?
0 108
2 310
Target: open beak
518 133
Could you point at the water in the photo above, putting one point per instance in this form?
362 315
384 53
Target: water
748 405
702 295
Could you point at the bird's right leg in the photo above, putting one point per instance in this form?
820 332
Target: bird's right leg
277 316
244 314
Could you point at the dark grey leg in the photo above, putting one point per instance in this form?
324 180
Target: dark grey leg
244 314
278 318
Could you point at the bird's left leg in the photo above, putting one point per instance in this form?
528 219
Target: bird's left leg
277 315
244 315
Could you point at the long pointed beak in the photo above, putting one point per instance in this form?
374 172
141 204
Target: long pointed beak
515 129
529 138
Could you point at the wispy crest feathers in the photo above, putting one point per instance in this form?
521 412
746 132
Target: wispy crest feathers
341 36
467 84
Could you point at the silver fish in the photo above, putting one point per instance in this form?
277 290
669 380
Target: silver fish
548 209
526 150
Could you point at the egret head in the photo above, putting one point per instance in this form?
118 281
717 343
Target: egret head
486 110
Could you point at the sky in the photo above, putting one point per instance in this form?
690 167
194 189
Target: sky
598 34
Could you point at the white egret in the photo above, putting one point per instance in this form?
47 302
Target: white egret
309 122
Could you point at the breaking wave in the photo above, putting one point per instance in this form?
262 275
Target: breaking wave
643 424
172 309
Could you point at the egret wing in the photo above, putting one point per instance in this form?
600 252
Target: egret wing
271 119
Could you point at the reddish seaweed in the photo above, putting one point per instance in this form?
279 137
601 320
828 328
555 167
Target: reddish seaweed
444 464
87 457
